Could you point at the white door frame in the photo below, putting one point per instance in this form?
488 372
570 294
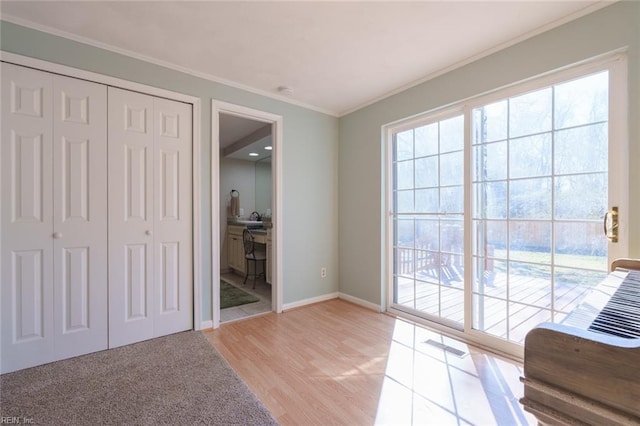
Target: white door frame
195 102
218 107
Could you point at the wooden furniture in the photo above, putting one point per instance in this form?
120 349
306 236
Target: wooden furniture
269 243
586 370
235 250
253 254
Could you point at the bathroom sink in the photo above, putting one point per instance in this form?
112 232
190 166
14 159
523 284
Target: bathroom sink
248 222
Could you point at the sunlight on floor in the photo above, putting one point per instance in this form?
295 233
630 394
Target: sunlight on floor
425 384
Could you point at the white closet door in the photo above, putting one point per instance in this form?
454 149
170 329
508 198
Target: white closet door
131 177
173 301
79 216
27 268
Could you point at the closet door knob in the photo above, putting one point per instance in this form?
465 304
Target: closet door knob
57 235
148 232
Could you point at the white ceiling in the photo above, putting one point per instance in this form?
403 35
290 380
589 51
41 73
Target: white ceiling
234 129
337 56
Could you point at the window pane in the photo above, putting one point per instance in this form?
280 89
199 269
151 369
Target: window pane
490 315
452 168
404 201
491 200
530 114
572 285
452 134
581 196
427 200
530 241
427 172
530 156
491 161
584 149
452 199
582 101
426 140
404 234
530 317
491 238
580 245
428 180
427 234
404 174
490 122
552 176
530 199
403 145
451 238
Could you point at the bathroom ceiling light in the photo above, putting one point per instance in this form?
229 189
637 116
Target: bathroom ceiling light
268 147
253 154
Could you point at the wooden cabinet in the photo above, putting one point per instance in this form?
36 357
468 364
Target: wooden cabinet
269 255
235 248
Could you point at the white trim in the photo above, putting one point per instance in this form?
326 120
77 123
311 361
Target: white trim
215 216
205 325
360 302
277 278
616 63
310 301
159 62
196 148
85 40
27 61
619 158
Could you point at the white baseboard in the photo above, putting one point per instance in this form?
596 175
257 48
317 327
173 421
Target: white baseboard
300 303
361 302
205 325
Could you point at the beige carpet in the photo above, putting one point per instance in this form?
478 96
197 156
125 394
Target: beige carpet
178 379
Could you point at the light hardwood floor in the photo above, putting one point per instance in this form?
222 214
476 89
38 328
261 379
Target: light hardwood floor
340 364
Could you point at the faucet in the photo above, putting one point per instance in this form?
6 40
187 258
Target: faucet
255 216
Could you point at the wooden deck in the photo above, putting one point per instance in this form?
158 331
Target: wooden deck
531 300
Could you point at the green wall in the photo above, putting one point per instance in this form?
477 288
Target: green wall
361 175
310 144
333 169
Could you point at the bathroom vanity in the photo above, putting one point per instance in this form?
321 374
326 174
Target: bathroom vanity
235 246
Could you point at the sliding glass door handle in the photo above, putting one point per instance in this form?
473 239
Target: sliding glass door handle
611 224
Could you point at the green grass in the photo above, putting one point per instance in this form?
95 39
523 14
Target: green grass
570 269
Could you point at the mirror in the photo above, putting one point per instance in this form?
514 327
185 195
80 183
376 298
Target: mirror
263 185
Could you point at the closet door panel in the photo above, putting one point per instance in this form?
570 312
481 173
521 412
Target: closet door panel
131 225
80 216
26 218
173 217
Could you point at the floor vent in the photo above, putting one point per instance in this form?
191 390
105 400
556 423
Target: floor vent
450 349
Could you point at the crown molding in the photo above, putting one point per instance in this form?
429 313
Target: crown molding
165 64
540 30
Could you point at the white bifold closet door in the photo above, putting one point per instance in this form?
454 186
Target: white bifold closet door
150 217
96 217
54 217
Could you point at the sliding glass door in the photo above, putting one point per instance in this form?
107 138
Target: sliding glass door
540 178
496 207
428 206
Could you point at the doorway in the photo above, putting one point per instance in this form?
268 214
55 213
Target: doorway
246 167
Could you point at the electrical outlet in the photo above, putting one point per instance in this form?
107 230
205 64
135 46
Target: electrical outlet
323 272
